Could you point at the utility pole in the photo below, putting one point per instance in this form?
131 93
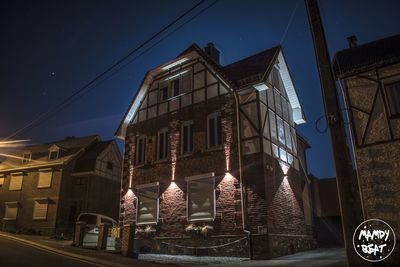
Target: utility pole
349 197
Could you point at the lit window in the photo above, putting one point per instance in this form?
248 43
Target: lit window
281 131
214 130
16 181
53 154
45 177
162 145
201 197
187 137
40 207
11 211
140 150
147 204
26 158
1 180
392 93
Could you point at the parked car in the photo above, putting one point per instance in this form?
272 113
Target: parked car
92 221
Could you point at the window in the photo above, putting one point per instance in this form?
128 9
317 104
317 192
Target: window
53 155
40 207
1 180
164 92
110 165
45 177
80 180
16 181
392 92
281 131
214 130
140 150
187 137
11 211
26 158
175 87
147 204
162 144
201 197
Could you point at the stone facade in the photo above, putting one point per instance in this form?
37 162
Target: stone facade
376 143
271 185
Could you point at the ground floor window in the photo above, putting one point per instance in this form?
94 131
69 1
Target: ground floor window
11 211
147 203
40 207
201 197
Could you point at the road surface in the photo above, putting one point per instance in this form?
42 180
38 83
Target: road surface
16 254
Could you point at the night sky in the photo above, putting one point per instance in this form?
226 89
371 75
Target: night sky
50 49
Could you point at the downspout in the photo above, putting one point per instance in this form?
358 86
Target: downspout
240 161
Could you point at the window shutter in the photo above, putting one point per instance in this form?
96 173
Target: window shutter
148 205
40 209
45 179
11 211
16 181
201 199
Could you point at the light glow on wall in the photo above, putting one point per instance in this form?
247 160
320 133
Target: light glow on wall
176 75
174 142
285 167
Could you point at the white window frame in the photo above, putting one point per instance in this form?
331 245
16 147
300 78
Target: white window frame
12 177
199 177
54 150
51 178
45 202
143 152
144 186
5 211
26 160
214 116
165 156
189 140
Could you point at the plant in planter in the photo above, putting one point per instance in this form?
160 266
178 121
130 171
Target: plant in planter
146 232
195 231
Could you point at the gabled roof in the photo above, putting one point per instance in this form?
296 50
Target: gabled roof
366 57
87 161
248 71
253 65
40 153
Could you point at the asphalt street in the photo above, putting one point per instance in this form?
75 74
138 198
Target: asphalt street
16 254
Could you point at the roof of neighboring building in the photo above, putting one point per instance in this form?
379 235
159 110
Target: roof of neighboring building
69 147
87 161
366 57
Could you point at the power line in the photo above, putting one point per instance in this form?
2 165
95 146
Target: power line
78 93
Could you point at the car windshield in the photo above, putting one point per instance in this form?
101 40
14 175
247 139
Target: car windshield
88 218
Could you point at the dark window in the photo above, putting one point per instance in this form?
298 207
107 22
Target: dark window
110 165
214 131
164 93
162 146
140 150
80 180
26 158
392 92
175 87
53 155
88 218
187 138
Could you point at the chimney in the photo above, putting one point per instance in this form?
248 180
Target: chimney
352 40
212 52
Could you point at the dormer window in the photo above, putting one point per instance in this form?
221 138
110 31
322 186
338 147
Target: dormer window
54 152
26 158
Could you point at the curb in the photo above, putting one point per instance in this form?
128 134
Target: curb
87 259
